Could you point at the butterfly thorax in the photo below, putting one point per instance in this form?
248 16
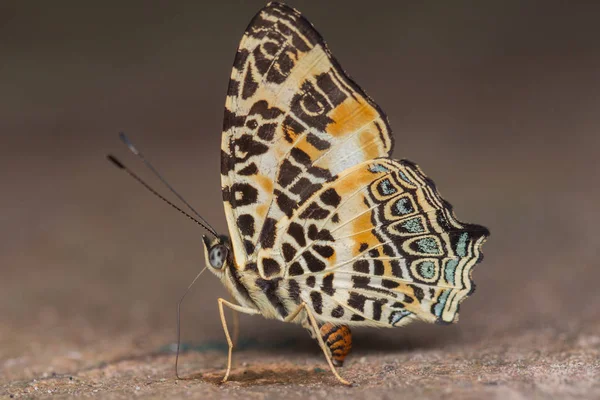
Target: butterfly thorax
246 284
271 296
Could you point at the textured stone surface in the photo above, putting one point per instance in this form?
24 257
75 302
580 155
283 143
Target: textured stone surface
541 363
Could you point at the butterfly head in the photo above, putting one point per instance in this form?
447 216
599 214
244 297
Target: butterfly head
217 253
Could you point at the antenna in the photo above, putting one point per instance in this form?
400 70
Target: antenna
120 165
135 151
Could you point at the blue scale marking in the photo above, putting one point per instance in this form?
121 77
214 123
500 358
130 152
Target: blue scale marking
428 245
387 188
449 270
404 206
439 307
427 269
399 315
461 246
378 168
413 225
404 177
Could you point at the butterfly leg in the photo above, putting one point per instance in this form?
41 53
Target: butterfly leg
315 327
234 307
306 325
236 327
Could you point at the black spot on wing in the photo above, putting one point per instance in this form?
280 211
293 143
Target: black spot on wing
262 108
378 267
296 269
227 163
331 198
314 211
304 187
325 236
313 263
291 129
320 172
240 59
324 251
296 231
419 294
245 224
327 285
287 173
357 301
267 234
251 124
242 194
294 291
333 92
300 156
396 268
388 284
250 85
377 308
388 250
313 232
337 312
251 266
317 142
248 246
249 148
234 88
288 252
231 120
284 203
267 131
317 301
251 169
270 267
361 266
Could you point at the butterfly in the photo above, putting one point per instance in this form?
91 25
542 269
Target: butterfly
326 230
324 226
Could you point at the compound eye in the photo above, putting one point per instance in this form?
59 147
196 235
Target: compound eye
217 256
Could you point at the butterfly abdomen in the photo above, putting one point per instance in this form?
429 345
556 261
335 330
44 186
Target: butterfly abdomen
338 339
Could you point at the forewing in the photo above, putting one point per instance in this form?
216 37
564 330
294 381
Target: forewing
293 120
379 246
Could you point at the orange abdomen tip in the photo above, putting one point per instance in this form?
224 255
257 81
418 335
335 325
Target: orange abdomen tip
338 339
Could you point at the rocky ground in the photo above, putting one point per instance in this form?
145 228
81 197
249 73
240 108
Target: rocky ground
541 363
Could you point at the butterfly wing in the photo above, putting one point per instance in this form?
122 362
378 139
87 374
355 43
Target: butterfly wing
314 206
293 120
378 245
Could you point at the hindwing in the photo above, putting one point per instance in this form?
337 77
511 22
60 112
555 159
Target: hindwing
379 246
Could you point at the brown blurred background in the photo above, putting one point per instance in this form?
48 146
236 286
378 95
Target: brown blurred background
498 101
